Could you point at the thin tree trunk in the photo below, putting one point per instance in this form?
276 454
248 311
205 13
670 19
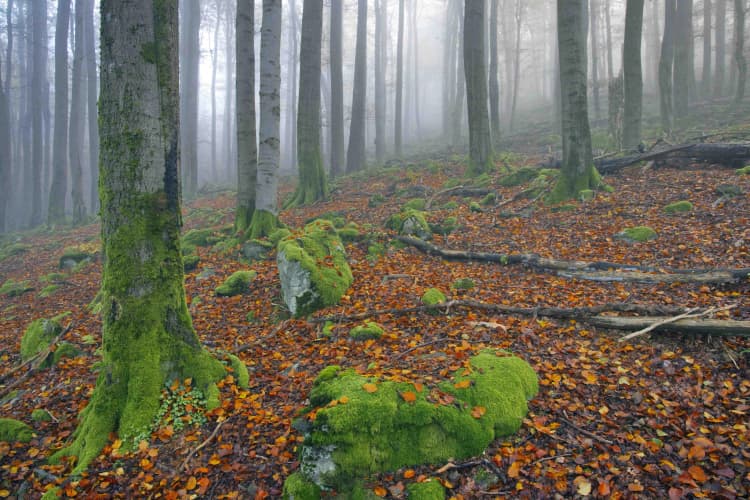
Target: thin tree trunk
355 156
480 149
38 80
739 44
494 83
381 8
449 69
293 63
681 72
398 113
5 154
214 68
337 90
189 86
516 62
460 96
78 116
594 26
59 187
666 65
413 36
229 133
633 74
246 145
608 25
706 74
91 106
721 45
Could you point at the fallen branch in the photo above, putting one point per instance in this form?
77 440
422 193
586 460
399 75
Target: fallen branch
203 444
457 191
592 271
731 154
584 431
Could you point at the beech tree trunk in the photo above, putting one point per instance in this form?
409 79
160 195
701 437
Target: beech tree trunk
666 65
148 337
38 82
355 156
92 98
214 68
608 25
189 86
721 45
381 36
594 27
706 74
681 73
633 74
398 113
739 45
293 79
480 148
5 154
247 153
78 116
494 82
337 90
59 185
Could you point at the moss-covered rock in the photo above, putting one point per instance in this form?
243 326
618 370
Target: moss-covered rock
257 249
73 256
428 490
367 330
364 425
475 207
236 284
637 234
410 222
313 269
39 334
297 487
463 284
199 238
12 288
678 207
415 204
518 176
14 430
743 171
40 415
190 262
433 297
489 199
349 232
63 350
12 249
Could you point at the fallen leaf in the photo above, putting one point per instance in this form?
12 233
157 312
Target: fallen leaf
192 482
380 491
409 473
514 469
697 473
463 384
478 411
583 486
370 387
408 396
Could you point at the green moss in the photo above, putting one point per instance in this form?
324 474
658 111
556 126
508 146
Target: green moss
375 251
317 251
349 232
40 415
240 371
743 171
678 207
199 238
73 256
410 222
451 205
327 330
586 195
296 487
14 430
52 493
236 284
448 225
48 291
63 350
518 177
13 249
190 262
415 204
213 397
564 208
451 183
263 224
15 288
278 235
428 490
489 199
568 188
226 246
463 284
368 330
638 233
433 297
375 200
53 278
474 207
39 334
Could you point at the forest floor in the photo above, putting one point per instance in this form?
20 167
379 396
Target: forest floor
661 415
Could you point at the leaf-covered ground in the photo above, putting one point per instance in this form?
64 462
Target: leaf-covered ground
659 416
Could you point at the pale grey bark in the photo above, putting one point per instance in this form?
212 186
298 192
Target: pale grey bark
214 69
706 73
229 132
189 84
337 91
77 115
270 108
355 155
594 26
681 72
721 44
246 140
460 96
608 26
415 99
5 154
398 113
480 149
381 36
91 106
666 66
633 74
518 15
59 185
739 45
293 80
449 69
38 82
494 84
8 48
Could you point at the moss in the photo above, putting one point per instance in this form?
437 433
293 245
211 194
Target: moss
568 188
564 208
278 235
327 331
448 225
263 224
475 207
638 233
375 251
349 232
428 490
190 262
63 350
14 430
451 183
375 200
15 288
364 425
296 487
451 205
365 331
240 371
463 284
13 249
213 397
72 256
415 204
518 177
678 207
586 195
433 297
489 199
319 253
199 238
48 290
39 334
52 493
40 415
236 284
743 171
410 222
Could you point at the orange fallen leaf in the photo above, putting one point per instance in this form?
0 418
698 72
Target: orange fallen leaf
380 491
370 387
697 453
203 484
635 487
697 473
409 396
408 473
478 411
418 387
343 400
192 482
603 488
464 384
514 469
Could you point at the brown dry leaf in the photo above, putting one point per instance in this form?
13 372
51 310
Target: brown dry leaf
463 384
370 387
192 482
478 411
697 473
380 491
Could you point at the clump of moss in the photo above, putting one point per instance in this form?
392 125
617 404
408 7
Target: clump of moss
297 487
637 234
74 256
367 330
428 490
450 205
489 199
568 207
448 225
226 246
463 284
743 171
199 238
474 207
433 297
39 334
410 222
586 195
240 371
190 262
40 415
12 430
236 284
416 204
48 291
678 207
15 288
63 350
375 200
375 251
275 237
13 249
518 177
349 232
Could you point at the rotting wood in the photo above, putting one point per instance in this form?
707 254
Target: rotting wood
720 328
730 154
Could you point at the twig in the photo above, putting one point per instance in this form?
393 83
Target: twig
584 431
551 457
418 346
686 314
257 341
428 204
203 444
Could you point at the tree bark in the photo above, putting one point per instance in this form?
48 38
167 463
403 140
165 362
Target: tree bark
516 61
293 79
189 86
666 65
38 82
229 132
247 154
5 153
337 90
480 149
355 156
681 73
59 187
721 328
214 68
706 74
494 81
398 113
594 26
633 74
92 98
148 337
721 45
381 36
608 25
77 116
739 44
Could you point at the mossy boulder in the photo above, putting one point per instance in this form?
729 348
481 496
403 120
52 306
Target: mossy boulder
297 487
743 171
73 256
14 430
518 177
236 284
12 288
12 249
678 207
367 330
256 250
463 284
313 269
199 238
63 350
190 262
40 415
349 232
637 234
433 297
363 425
428 490
39 334
415 204
475 207
410 222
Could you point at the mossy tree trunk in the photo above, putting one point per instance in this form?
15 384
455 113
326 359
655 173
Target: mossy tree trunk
577 172
633 74
666 64
148 337
337 89
312 177
355 156
475 71
265 218
247 160
739 45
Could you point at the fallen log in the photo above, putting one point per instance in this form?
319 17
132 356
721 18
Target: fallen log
723 327
730 154
591 271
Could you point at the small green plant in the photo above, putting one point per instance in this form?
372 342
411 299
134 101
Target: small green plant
489 199
375 200
416 204
474 207
15 288
463 284
181 406
375 251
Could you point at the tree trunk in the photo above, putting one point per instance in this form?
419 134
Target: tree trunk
381 35
9 48
739 44
480 149
59 187
666 64
292 78
38 81
148 337
608 25
229 132
91 106
189 86
398 113
413 36
721 45
265 218
494 82
516 62
449 69
77 116
312 177
355 156
337 90
681 72
633 74
460 97
594 26
214 68
706 74
577 171
5 154
247 159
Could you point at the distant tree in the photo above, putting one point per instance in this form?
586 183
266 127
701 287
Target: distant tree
398 113
5 155
292 81
92 97
706 75
459 96
265 217
494 87
608 28
633 74
681 76
594 27
721 45
480 147
247 153
381 36
59 185
577 172
214 70
739 44
355 156
666 64
37 104
148 336
189 85
518 15
312 177
230 122
337 90
78 115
